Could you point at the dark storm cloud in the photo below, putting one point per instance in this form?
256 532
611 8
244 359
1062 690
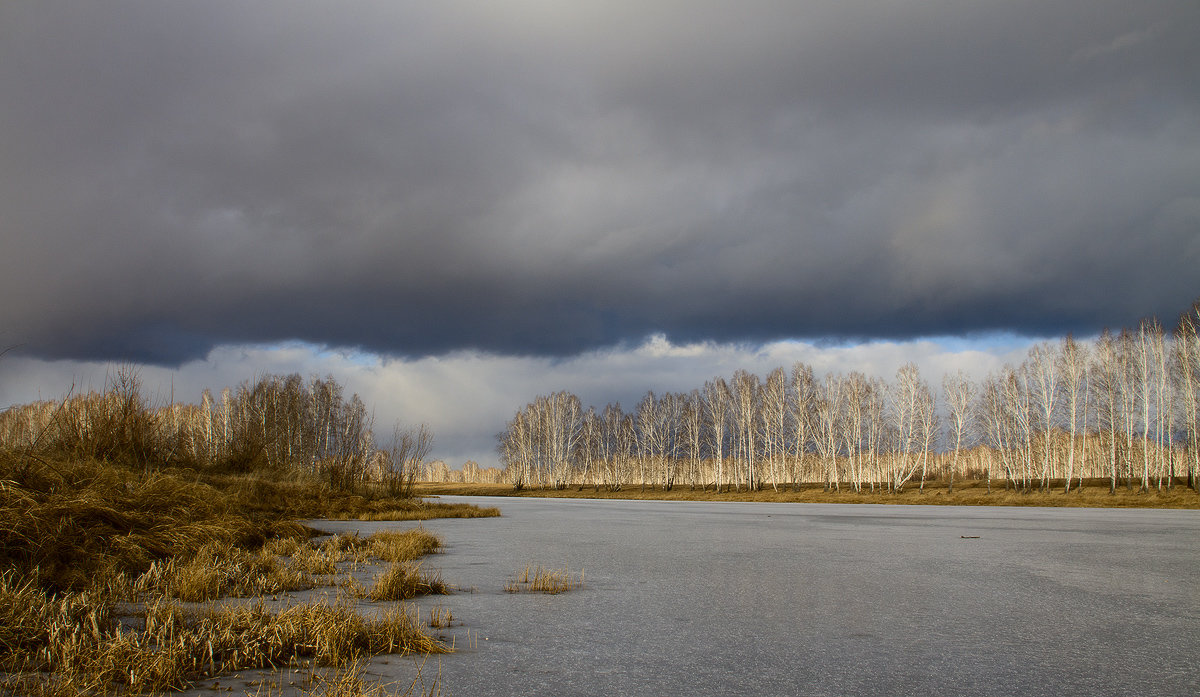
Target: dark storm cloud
549 177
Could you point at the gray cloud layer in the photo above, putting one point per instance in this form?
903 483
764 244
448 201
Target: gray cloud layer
545 178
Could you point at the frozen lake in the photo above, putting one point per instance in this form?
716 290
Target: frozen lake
819 599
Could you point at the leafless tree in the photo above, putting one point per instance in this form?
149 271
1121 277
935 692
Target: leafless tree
1043 367
857 392
804 395
409 448
1187 361
692 416
717 400
774 416
959 395
914 417
829 402
746 400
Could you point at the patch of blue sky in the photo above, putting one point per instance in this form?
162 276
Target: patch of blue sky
324 353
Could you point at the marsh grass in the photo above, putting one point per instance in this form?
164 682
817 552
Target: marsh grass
109 518
536 579
305 498
384 545
223 570
283 565
431 511
352 683
313 561
74 643
406 545
68 524
440 617
1094 494
405 580
97 558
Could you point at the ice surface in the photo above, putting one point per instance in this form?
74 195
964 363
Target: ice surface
818 599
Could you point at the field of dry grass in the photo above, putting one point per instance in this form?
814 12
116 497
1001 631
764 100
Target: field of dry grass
108 577
1094 494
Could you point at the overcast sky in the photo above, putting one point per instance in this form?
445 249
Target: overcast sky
454 207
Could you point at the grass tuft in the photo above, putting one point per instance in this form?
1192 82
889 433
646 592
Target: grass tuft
440 617
222 570
536 579
393 546
404 580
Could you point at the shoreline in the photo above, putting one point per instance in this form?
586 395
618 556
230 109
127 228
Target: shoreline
968 493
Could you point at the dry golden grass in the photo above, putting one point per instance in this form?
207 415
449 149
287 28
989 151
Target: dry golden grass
222 570
536 579
351 682
384 545
73 644
300 498
314 561
81 539
407 545
440 617
1095 494
70 523
430 511
405 580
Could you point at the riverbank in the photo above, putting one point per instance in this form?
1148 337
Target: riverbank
1094 494
117 579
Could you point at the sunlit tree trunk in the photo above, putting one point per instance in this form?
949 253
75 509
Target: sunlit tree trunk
774 418
1187 351
804 395
958 393
858 389
745 411
716 405
1074 370
1044 366
828 412
692 415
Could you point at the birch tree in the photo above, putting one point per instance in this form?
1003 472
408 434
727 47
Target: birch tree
692 416
804 392
857 390
1187 361
959 394
746 388
1044 367
1107 374
829 401
716 406
1074 372
774 414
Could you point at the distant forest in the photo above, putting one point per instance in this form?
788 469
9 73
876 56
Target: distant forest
1122 408
278 425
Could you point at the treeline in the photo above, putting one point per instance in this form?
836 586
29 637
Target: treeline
1122 408
438 472
277 423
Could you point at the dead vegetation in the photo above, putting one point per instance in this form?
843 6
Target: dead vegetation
440 617
101 565
536 579
351 682
1094 493
136 636
126 529
77 643
405 580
